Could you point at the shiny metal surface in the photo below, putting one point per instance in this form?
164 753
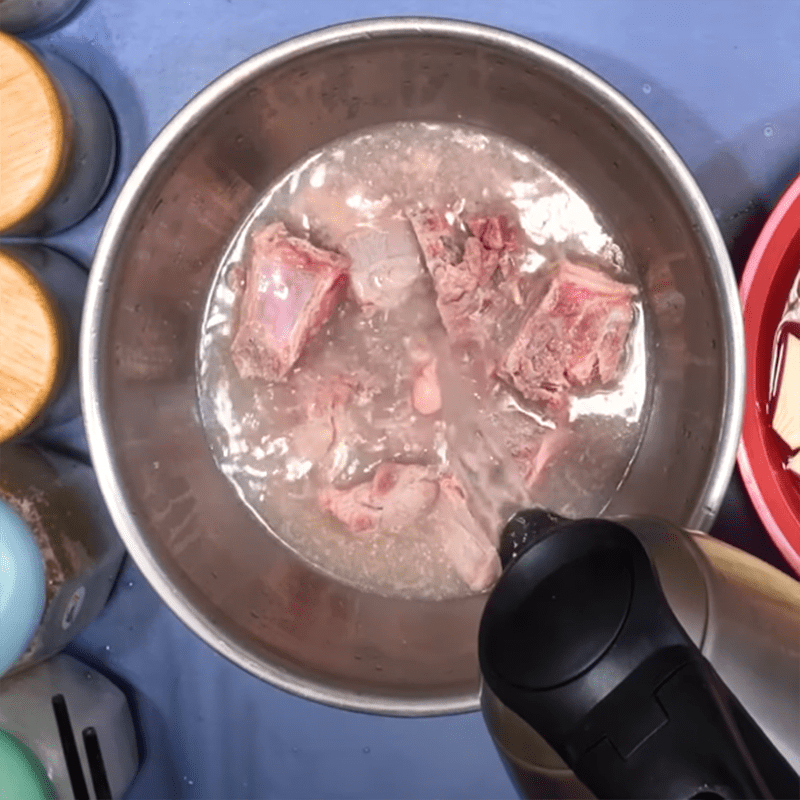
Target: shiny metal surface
534 767
743 614
233 585
753 638
91 153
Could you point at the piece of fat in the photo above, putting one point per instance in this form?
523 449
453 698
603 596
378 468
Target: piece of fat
794 464
786 420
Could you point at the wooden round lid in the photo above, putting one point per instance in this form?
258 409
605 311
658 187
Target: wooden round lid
32 133
32 347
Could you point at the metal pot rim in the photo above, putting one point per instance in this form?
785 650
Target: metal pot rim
157 153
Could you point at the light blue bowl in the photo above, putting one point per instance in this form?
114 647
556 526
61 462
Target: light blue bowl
22 586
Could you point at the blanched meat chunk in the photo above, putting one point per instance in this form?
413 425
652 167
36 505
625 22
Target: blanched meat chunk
385 264
290 292
465 543
397 495
326 403
426 392
531 445
575 337
472 294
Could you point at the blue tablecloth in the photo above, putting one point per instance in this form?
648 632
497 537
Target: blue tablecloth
721 78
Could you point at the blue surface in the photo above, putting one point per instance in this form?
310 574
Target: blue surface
721 78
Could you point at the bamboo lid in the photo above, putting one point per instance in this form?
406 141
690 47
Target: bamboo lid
32 347
32 133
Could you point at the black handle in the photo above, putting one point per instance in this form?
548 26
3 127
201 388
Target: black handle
578 639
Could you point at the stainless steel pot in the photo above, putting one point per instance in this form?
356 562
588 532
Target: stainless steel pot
231 582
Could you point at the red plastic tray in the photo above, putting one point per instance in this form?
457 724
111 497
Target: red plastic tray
765 286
